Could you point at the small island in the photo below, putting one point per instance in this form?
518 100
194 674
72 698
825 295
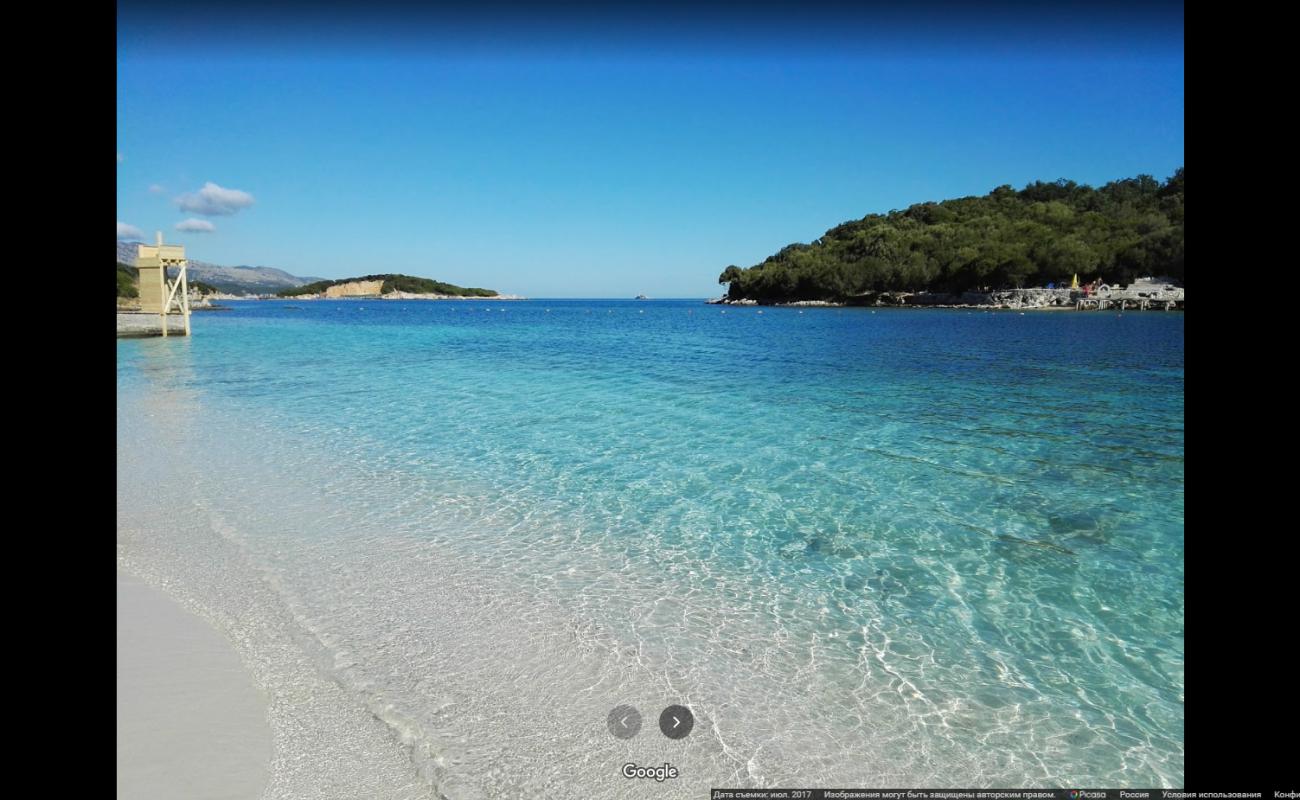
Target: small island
390 287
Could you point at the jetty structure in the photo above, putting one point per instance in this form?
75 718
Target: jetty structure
162 302
1142 294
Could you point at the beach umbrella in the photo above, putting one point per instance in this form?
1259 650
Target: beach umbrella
1074 284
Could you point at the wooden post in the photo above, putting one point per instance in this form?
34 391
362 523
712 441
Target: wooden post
185 296
162 280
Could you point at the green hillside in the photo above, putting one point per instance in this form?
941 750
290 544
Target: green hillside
1044 233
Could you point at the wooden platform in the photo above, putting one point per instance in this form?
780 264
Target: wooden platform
131 323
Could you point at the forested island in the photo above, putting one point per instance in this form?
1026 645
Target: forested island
1044 234
371 285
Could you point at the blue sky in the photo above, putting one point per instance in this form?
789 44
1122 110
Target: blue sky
607 161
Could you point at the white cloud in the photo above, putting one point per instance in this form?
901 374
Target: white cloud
156 188
120 158
196 226
214 201
125 231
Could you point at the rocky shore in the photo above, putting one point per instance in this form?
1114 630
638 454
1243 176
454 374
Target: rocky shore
1139 295
198 302
416 296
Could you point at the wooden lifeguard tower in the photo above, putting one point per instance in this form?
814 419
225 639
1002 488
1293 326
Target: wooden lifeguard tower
157 294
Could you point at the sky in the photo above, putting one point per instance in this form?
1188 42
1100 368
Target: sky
562 153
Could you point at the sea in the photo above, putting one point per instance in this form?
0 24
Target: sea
864 547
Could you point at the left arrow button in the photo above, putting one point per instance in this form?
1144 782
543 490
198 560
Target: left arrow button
624 722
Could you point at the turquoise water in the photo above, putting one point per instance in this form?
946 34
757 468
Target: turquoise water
929 548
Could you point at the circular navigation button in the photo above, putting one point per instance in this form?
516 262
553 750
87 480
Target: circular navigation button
624 722
676 722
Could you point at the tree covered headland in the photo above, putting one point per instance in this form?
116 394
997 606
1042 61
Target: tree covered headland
1044 233
393 283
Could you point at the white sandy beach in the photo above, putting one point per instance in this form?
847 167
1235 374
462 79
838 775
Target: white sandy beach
222 693
190 721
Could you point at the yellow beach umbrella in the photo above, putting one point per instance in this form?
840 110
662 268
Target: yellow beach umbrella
1075 283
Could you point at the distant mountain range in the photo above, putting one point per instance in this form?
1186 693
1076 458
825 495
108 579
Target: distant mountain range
233 280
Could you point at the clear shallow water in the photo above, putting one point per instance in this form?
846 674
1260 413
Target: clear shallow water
931 548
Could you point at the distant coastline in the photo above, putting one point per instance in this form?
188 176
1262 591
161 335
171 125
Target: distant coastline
208 282
388 296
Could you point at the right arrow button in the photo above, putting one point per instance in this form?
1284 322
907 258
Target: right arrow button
676 722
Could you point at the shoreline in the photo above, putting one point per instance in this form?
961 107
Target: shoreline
1120 305
389 296
190 720
1142 295
324 741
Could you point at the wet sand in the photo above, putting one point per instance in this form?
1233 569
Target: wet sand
190 721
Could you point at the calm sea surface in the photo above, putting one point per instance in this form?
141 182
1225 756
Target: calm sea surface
890 548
